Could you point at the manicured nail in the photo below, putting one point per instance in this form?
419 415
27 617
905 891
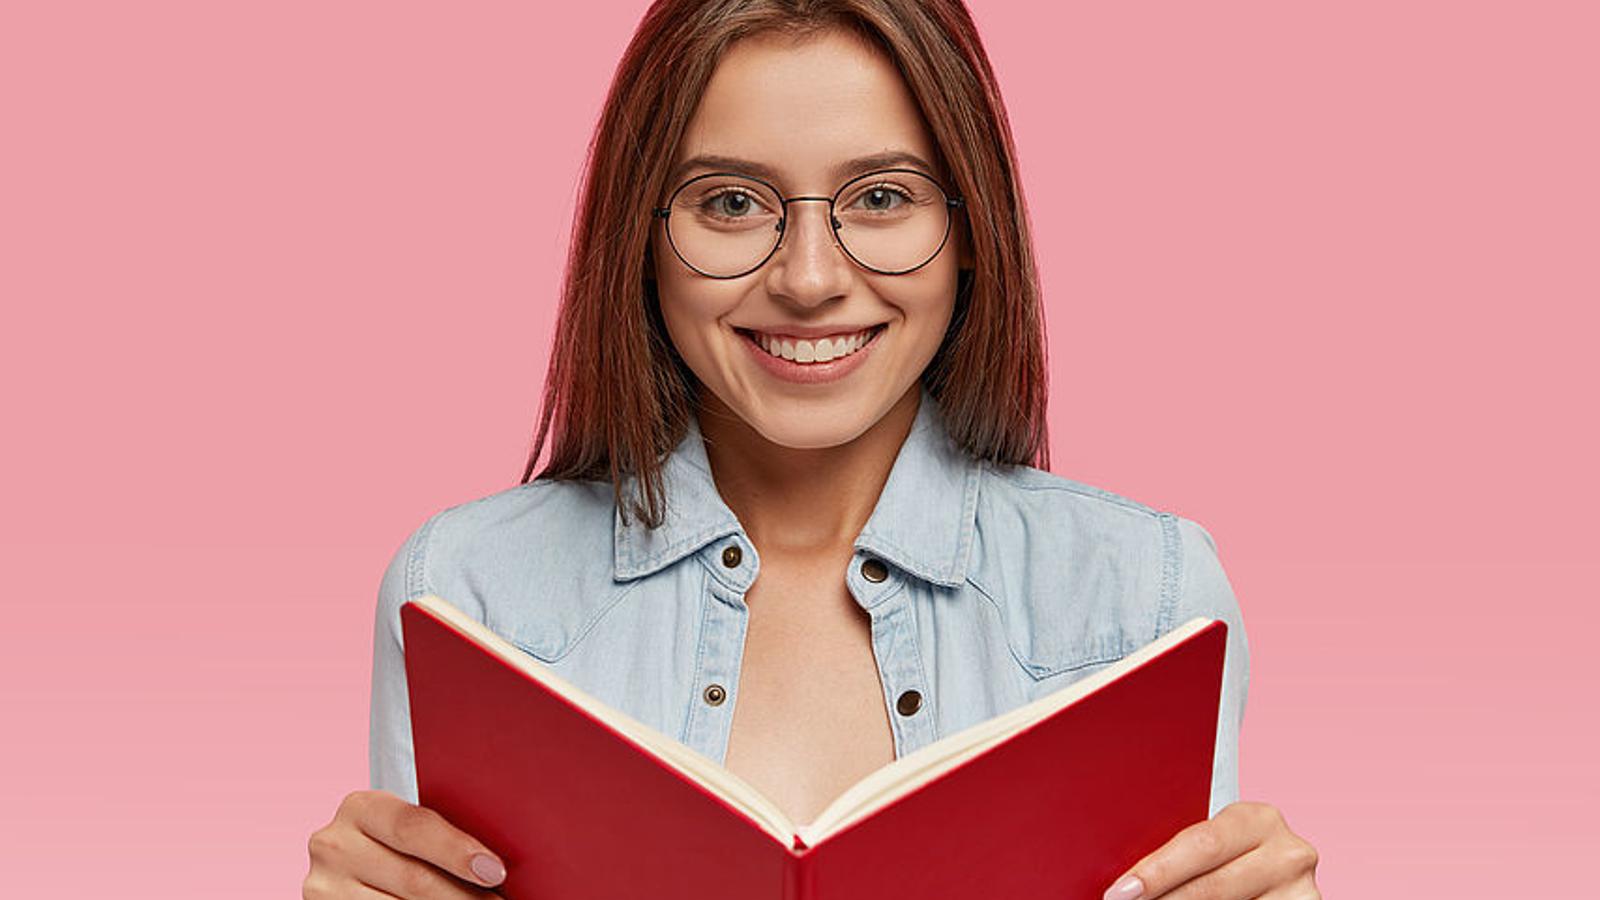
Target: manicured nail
1129 887
487 868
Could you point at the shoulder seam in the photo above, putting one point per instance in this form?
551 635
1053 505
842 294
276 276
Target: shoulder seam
1171 572
417 582
1087 491
514 489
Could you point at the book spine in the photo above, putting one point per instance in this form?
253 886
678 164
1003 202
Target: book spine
797 878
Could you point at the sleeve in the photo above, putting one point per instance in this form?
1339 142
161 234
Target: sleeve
1205 591
391 766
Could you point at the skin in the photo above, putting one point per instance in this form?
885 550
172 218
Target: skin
801 465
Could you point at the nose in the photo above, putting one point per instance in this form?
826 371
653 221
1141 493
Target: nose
809 266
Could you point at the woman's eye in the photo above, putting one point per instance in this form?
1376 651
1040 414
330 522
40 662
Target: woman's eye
733 204
881 198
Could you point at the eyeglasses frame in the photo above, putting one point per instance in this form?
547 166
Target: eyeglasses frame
662 212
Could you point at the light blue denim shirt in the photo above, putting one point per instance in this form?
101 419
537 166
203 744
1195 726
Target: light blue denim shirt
1003 584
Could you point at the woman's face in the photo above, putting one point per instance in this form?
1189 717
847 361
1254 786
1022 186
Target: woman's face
805 112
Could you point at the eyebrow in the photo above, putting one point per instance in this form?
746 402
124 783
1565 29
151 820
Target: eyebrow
847 169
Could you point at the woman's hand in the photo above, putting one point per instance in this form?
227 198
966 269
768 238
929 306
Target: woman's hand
379 842
1245 851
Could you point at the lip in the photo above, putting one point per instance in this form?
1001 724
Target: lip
810 332
810 373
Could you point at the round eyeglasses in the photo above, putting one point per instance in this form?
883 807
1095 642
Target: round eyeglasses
724 224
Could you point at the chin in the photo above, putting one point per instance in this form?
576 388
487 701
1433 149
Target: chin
810 440
802 431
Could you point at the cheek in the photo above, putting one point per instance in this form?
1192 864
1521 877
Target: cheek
680 322
678 307
928 302
693 315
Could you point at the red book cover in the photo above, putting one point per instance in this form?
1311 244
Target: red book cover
581 801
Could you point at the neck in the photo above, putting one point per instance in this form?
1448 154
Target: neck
802 500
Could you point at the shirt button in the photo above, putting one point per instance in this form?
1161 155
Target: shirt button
874 570
731 556
715 694
909 703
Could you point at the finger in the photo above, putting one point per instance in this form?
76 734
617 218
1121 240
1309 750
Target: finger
1192 852
425 834
321 885
390 873
1303 888
346 889
1246 876
361 891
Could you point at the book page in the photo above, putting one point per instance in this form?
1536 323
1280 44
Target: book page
861 799
696 766
915 769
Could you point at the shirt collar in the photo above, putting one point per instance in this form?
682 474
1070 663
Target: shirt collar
923 522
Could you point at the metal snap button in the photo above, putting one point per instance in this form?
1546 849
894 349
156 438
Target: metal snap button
715 694
909 703
874 570
731 556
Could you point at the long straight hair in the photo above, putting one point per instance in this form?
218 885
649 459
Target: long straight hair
618 397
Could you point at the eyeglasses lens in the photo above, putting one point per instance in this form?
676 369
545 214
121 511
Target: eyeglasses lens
726 225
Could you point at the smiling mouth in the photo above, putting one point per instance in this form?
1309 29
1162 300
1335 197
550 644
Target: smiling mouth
809 352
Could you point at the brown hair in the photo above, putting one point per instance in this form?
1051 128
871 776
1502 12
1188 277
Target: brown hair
618 396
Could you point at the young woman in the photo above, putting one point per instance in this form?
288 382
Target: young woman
792 514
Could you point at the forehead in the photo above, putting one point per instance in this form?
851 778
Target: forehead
803 108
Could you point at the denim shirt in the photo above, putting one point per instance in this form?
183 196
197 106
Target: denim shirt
987 587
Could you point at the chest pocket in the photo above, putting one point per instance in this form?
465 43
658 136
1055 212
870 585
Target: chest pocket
1074 614
549 608
551 626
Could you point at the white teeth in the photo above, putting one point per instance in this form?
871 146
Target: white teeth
821 350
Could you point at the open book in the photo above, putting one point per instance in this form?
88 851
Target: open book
1055 797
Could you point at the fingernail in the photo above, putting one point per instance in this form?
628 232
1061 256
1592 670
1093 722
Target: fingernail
487 868
1128 887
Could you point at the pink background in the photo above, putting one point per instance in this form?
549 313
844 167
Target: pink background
278 282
